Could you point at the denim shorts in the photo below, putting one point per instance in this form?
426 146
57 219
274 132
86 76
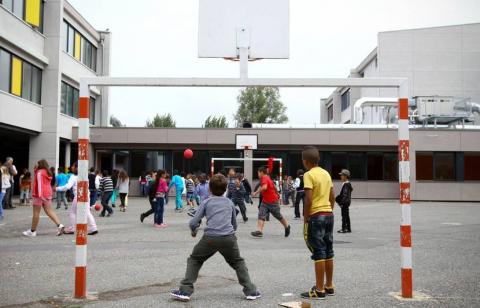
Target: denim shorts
266 208
318 234
190 196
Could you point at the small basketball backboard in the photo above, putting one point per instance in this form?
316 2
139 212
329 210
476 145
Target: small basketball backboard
226 25
246 142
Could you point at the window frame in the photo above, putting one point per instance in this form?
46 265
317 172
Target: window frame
330 113
345 100
87 50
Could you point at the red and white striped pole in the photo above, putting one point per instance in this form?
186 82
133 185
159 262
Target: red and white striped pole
404 179
82 194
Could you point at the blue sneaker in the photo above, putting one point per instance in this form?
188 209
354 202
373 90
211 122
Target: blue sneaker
253 296
180 296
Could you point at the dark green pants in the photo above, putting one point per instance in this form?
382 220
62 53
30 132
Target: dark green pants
207 247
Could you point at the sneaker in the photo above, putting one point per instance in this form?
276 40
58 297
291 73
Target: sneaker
66 207
349 231
257 234
58 206
68 232
191 214
156 225
180 296
93 232
109 214
245 220
163 225
330 291
29 233
296 218
342 231
253 296
60 229
142 217
287 231
313 294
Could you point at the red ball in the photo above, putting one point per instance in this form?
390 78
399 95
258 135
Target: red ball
98 207
188 154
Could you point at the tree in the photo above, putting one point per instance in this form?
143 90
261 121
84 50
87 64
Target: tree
260 105
164 120
115 122
214 122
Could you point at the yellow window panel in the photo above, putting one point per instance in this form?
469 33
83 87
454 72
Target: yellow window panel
78 46
16 87
32 12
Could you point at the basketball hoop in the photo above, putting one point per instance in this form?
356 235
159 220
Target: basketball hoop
247 147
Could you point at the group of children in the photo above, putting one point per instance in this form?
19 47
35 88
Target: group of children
218 199
220 213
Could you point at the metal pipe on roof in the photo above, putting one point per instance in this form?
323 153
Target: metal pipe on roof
371 101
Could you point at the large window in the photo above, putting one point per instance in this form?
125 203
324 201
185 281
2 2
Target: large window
345 99
471 166
339 162
91 110
30 11
438 166
69 102
330 113
444 164
19 77
5 67
375 166
356 165
76 45
390 166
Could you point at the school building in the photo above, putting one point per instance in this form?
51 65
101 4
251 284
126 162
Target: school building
438 62
45 47
445 162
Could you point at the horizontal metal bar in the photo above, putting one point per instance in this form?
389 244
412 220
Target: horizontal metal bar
254 159
237 82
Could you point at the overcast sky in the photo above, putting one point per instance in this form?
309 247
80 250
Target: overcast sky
158 38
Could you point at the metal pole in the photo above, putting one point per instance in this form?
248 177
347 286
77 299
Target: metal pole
404 179
243 54
82 193
212 166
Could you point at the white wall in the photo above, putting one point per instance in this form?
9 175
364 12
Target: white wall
19 112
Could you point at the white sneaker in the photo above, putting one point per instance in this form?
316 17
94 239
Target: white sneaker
29 233
60 230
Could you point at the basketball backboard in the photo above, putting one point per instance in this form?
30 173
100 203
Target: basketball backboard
261 24
244 142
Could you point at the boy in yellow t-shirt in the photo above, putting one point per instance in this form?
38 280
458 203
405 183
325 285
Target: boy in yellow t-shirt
318 223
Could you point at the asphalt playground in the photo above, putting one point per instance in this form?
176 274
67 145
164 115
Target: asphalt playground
131 264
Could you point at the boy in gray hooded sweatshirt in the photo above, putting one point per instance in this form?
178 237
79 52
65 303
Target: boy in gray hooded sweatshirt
219 235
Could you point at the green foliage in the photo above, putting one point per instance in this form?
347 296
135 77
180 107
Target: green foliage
214 122
260 105
115 122
164 120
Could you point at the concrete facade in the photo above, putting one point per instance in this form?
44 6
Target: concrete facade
332 139
439 61
46 125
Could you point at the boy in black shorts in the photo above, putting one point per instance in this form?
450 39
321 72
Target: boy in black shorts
318 223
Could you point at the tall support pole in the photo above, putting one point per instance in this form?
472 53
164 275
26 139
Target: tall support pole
212 167
82 193
404 179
